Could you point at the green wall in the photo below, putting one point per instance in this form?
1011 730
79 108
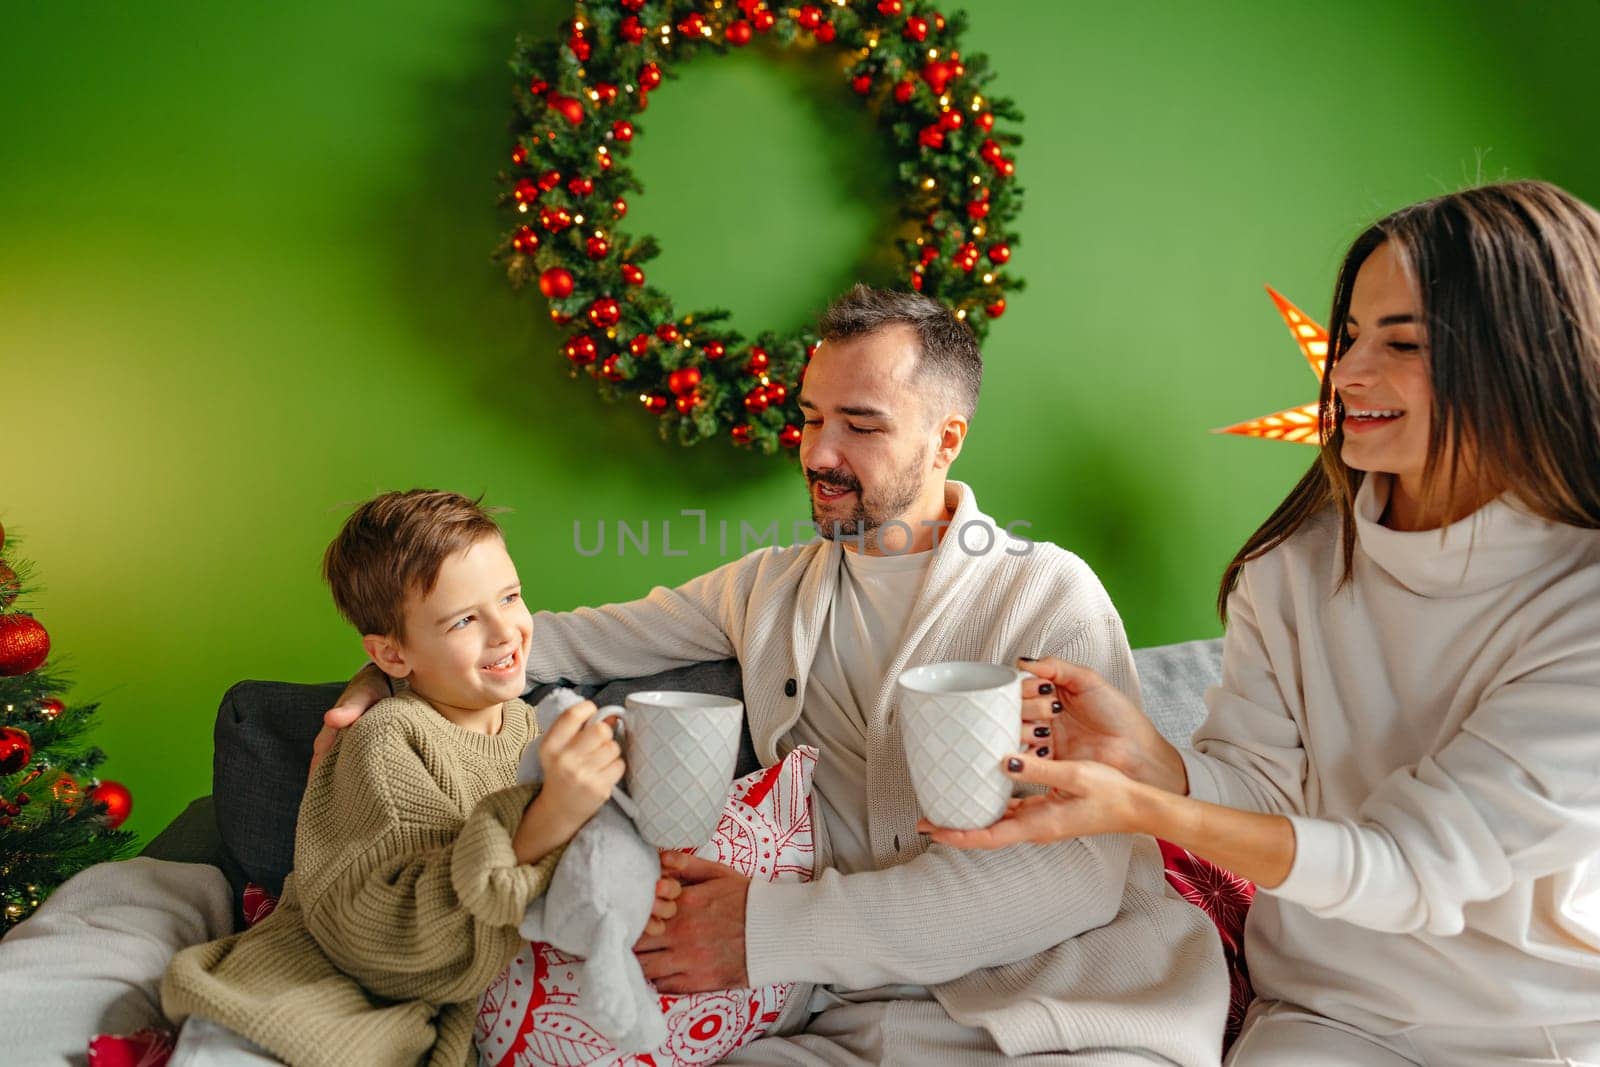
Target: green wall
244 283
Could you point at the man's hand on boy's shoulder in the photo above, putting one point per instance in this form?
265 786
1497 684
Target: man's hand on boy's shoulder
369 686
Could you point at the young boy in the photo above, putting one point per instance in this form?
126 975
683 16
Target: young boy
416 855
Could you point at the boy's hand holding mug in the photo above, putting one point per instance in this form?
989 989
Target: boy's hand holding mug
582 762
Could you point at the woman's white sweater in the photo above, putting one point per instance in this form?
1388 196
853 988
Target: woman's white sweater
1433 731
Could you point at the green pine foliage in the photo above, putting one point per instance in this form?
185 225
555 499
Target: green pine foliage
49 827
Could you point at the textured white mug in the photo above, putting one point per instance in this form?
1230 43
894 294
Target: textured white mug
958 721
681 750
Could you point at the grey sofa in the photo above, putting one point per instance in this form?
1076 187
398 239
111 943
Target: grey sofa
264 732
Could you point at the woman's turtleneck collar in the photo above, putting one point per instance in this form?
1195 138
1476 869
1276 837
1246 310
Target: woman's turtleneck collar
1496 544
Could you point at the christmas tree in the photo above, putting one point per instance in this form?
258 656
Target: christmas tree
55 817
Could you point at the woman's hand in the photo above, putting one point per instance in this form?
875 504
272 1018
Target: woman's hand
1088 798
1085 798
1090 719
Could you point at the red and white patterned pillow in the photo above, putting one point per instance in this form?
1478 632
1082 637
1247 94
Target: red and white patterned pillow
1226 898
528 1017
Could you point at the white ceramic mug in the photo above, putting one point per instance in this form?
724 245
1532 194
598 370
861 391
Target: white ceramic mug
681 750
958 721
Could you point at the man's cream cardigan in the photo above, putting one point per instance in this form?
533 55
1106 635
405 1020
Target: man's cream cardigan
1076 945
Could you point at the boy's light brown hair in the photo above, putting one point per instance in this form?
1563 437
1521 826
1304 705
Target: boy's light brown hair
392 547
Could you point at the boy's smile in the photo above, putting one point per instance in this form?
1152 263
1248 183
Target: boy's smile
465 645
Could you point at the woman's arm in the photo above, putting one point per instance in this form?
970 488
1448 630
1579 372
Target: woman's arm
1087 798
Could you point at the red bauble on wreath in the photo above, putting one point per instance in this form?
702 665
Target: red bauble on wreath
16 749
24 644
575 128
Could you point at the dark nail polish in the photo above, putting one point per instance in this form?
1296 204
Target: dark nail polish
1042 753
1041 731
1013 765
1046 688
1055 706
1029 659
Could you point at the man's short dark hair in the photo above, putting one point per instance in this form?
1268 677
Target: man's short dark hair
949 352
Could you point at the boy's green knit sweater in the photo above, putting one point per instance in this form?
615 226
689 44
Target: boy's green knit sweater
403 905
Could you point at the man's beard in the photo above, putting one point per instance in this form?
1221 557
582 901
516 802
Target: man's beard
871 512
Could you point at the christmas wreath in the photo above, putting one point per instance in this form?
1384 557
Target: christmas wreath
577 102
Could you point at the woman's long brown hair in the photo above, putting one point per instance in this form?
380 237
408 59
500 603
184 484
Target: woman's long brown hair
1508 276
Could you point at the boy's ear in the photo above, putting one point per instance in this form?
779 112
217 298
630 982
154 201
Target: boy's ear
386 652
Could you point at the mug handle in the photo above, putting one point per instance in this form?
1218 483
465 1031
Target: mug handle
619 794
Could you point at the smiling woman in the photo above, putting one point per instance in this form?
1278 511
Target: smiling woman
1402 750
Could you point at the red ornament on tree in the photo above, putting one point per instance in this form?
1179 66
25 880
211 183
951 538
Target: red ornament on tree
693 25
931 137
790 437
777 393
117 800
763 20
862 83
538 87
605 312
890 8
525 240
556 283
632 274
581 186
755 401
632 5
996 309
549 180
916 29
581 350
639 345
904 91
622 130
525 191
686 404
67 792
16 749
759 361
649 76
580 47
554 219
937 74
826 33
810 17
632 30
739 33
950 120
684 380
606 92
596 247
740 434
619 207
986 121
24 644
916 279
668 332
715 350
50 708
567 107
656 402
999 253
978 209
611 368
519 156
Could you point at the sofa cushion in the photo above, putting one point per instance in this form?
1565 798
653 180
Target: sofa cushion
263 755
1174 679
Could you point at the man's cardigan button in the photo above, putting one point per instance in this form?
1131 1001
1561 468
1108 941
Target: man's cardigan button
790 688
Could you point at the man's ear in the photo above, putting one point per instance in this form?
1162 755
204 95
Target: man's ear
386 652
951 435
